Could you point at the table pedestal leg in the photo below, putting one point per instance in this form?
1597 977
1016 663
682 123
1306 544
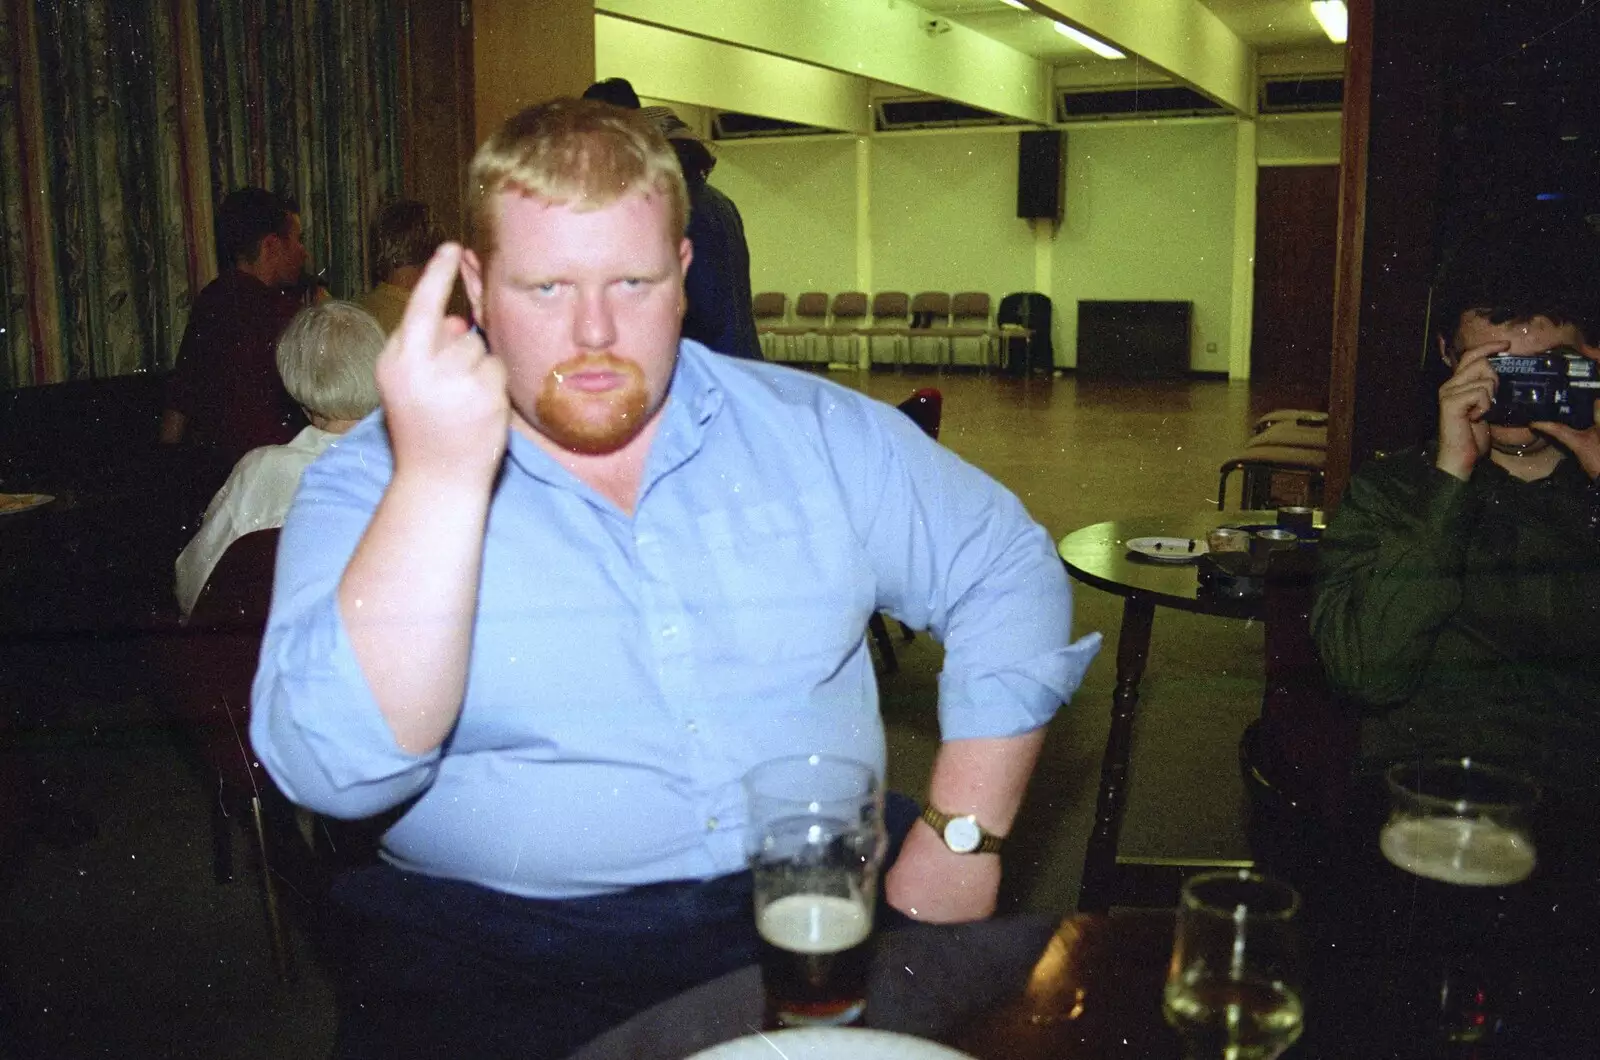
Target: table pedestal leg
1100 860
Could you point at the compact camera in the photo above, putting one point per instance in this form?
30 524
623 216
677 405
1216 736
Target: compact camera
1559 384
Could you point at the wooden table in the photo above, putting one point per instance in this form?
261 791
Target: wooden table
1014 988
1098 556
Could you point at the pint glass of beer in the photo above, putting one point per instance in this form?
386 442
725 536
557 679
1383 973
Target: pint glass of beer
1460 833
816 844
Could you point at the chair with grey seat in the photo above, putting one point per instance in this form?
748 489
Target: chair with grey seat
891 319
810 316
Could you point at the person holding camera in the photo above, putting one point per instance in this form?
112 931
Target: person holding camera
1458 601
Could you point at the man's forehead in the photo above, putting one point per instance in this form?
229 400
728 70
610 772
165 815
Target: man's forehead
579 202
1475 329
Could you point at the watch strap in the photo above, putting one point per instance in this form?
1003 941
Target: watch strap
988 842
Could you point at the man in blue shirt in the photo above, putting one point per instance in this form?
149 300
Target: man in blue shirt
577 577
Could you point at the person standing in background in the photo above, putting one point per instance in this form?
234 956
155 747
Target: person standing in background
718 284
224 397
403 238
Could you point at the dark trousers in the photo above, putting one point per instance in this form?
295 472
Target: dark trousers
443 968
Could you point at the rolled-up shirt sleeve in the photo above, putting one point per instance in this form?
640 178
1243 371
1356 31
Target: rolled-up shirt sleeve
957 554
314 722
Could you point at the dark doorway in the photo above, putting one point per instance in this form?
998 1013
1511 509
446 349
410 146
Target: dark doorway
1297 217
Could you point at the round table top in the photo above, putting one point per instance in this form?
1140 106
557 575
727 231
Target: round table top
1098 555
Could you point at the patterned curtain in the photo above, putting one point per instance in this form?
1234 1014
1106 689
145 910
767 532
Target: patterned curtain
300 98
109 110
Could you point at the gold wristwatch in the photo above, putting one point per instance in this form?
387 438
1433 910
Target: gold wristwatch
963 834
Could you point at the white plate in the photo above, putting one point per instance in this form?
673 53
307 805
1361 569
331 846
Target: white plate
830 1043
1169 549
12 503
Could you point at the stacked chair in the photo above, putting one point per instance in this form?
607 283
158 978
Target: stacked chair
1285 443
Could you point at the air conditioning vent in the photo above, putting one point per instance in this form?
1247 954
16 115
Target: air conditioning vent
732 125
929 113
1161 101
1286 94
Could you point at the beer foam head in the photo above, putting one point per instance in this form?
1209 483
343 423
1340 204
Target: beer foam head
814 923
1466 852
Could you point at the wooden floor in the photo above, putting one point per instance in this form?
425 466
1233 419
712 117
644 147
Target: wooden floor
1077 453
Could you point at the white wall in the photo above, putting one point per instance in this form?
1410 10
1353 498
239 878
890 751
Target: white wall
798 201
1298 139
944 215
1149 214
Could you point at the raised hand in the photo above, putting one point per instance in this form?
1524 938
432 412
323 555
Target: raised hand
444 397
1464 400
1585 445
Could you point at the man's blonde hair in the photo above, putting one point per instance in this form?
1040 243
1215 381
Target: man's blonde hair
580 153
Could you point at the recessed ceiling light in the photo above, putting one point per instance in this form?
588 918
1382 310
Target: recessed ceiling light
1333 17
1094 44
1018 4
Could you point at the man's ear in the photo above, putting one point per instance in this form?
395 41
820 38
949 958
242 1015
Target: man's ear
685 254
1444 353
472 279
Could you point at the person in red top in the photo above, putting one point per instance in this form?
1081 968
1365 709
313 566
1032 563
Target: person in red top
224 397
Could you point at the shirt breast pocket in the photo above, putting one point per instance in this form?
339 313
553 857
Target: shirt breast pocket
785 581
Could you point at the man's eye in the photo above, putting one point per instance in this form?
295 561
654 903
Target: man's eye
634 282
546 288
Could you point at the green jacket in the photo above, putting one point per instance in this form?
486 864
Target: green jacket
1466 616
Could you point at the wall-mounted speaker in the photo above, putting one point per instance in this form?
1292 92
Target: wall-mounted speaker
1041 169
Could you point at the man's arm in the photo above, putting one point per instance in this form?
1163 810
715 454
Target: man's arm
1390 574
955 553
986 778
1389 578
410 591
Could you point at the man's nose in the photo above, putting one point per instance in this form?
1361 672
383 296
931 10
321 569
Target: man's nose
595 327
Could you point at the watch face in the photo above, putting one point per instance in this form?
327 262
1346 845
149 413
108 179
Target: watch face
962 835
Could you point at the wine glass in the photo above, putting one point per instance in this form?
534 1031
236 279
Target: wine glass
1233 987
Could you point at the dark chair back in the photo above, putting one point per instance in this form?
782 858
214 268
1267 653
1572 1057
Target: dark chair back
770 306
1031 310
925 408
849 308
207 670
890 307
812 305
930 309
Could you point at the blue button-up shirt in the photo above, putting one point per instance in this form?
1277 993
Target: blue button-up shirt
626 671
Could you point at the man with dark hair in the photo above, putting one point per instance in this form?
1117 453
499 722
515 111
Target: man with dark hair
1459 598
718 284
1458 607
403 238
224 396
617 91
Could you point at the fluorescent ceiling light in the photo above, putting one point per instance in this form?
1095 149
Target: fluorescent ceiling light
1018 4
1334 18
1094 44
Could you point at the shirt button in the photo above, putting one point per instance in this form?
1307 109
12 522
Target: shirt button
711 824
668 632
693 726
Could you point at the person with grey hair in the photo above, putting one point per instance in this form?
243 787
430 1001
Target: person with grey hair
403 238
326 358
